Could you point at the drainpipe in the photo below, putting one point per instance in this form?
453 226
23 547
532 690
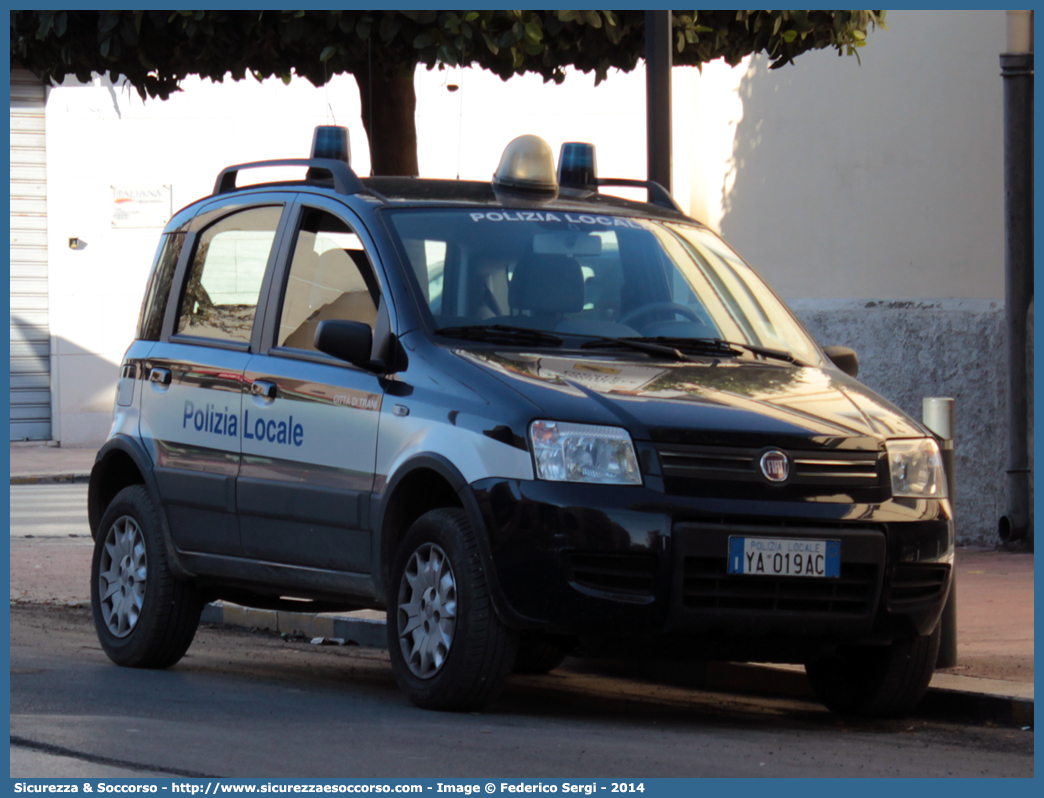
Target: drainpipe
658 96
1017 74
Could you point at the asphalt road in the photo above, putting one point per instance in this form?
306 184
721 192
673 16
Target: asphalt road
49 511
254 705
251 704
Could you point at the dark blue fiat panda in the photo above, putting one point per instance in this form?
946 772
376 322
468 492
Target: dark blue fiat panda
526 418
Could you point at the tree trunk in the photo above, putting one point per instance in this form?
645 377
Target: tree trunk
388 107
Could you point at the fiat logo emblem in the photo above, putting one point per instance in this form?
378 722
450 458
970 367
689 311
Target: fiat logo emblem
775 466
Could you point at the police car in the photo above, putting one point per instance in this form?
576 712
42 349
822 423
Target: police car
526 418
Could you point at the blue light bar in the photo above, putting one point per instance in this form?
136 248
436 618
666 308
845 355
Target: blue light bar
576 166
331 141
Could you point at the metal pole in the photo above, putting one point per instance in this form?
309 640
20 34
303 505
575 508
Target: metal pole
937 414
1017 74
658 95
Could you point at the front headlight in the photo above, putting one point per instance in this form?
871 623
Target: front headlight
916 468
584 453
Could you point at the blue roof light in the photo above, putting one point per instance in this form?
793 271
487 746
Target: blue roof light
331 141
576 166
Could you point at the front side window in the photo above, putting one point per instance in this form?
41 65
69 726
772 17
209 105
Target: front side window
591 275
330 278
224 280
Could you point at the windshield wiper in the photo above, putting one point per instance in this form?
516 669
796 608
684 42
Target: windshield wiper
725 346
639 346
776 354
500 333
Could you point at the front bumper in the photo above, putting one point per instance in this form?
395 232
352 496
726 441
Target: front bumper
608 566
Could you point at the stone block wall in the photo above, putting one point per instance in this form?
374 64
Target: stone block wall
912 349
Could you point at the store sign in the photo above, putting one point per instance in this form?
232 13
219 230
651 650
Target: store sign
140 206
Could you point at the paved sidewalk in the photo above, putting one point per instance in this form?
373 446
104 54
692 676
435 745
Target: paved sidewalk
34 463
992 681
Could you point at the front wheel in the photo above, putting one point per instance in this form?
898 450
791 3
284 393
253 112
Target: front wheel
876 681
144 617
448 648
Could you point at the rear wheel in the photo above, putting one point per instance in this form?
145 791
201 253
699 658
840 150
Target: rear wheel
876 681
144 617
448 648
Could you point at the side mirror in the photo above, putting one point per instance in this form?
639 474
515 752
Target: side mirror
844 358
351 341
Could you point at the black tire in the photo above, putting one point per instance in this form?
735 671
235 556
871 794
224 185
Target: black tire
537 654
144 617
468 652
882 681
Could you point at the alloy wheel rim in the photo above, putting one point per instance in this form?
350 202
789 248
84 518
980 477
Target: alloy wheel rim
122 576
427 610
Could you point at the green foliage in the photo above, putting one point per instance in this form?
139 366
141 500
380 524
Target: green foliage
156 50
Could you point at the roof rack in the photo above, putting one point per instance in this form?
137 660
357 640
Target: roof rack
658 195
344 179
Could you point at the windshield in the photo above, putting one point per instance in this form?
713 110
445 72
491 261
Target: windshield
578 274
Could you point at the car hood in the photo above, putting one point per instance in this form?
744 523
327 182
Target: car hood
736 401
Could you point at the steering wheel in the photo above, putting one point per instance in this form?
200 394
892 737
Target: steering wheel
656 307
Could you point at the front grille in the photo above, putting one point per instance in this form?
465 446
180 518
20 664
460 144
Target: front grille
809 467
707 585
616 573
735 472
707 462
913 583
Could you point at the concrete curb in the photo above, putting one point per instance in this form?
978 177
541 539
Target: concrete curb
49 479
781 681
939 702
353 631
980 707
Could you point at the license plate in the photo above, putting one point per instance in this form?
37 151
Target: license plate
784 557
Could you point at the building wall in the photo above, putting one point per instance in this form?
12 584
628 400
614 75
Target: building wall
880 180
872 198
912 349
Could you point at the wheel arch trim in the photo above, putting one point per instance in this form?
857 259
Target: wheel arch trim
133 449
383 552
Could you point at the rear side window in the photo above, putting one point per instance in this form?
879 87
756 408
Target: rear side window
155 303
224 279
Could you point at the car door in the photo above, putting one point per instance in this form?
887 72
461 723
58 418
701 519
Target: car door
310 420
192 403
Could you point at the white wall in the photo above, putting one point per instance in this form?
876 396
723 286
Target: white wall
883 180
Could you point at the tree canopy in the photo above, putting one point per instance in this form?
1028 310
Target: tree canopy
156 50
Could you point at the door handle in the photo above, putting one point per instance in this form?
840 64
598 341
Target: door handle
264 389
160 376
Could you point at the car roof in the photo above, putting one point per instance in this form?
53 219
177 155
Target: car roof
417 192
426 192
